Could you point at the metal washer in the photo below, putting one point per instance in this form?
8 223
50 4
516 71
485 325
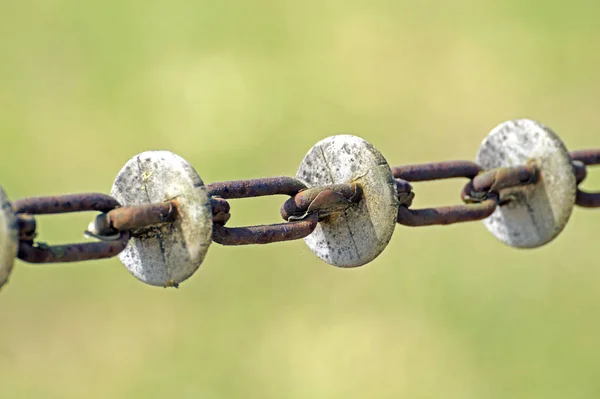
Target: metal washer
170 253
359 234
536 214
9 238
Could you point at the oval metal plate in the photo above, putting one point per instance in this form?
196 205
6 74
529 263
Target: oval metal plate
536 214
359 234
167 254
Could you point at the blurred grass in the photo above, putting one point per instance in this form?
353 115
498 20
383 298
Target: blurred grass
244 89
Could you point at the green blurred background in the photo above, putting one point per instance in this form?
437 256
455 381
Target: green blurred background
244 89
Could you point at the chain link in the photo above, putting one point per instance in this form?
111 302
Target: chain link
305 208
43 253
586 158
266 234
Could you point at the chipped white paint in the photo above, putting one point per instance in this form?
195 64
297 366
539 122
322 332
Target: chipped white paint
538 213
359 234
8 238
167 254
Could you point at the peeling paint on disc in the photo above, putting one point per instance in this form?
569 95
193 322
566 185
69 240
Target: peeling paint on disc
167 254
537 213
359 234
9 238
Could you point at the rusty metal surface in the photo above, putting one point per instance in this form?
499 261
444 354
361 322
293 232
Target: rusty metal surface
403 186
436 171
65 204
405 192
324 200
498 179
133 217
264 234
589 157
580 170
27 226
448 214
41 253
481 193
481 189
587 200
220 210
255 187
140 216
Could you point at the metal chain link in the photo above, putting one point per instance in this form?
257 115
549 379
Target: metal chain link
302 212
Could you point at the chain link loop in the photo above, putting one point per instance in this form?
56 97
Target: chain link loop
587 158
33 252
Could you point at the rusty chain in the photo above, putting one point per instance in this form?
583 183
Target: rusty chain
302 211
161 218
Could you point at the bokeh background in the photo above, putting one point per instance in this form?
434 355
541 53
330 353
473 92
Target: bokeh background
243 89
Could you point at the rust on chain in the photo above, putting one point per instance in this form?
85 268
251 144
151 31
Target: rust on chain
587 158
404 192
482 191
323 200
32 252
220 192
255 187
494 180
133 217
587 200
65 204
220 210
448 214
580 171
441 215
264 234
436 171
26 226
41 253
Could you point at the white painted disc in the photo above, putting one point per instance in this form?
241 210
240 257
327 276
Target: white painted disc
170 253
359 234
9 238
537 213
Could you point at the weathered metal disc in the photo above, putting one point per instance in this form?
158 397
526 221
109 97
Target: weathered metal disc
9 238
536 214
359 234
167 254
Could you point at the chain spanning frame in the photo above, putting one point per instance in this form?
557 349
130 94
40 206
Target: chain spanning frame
116 224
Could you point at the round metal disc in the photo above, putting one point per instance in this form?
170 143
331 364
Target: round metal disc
167 254
359 234
535 214
9 238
